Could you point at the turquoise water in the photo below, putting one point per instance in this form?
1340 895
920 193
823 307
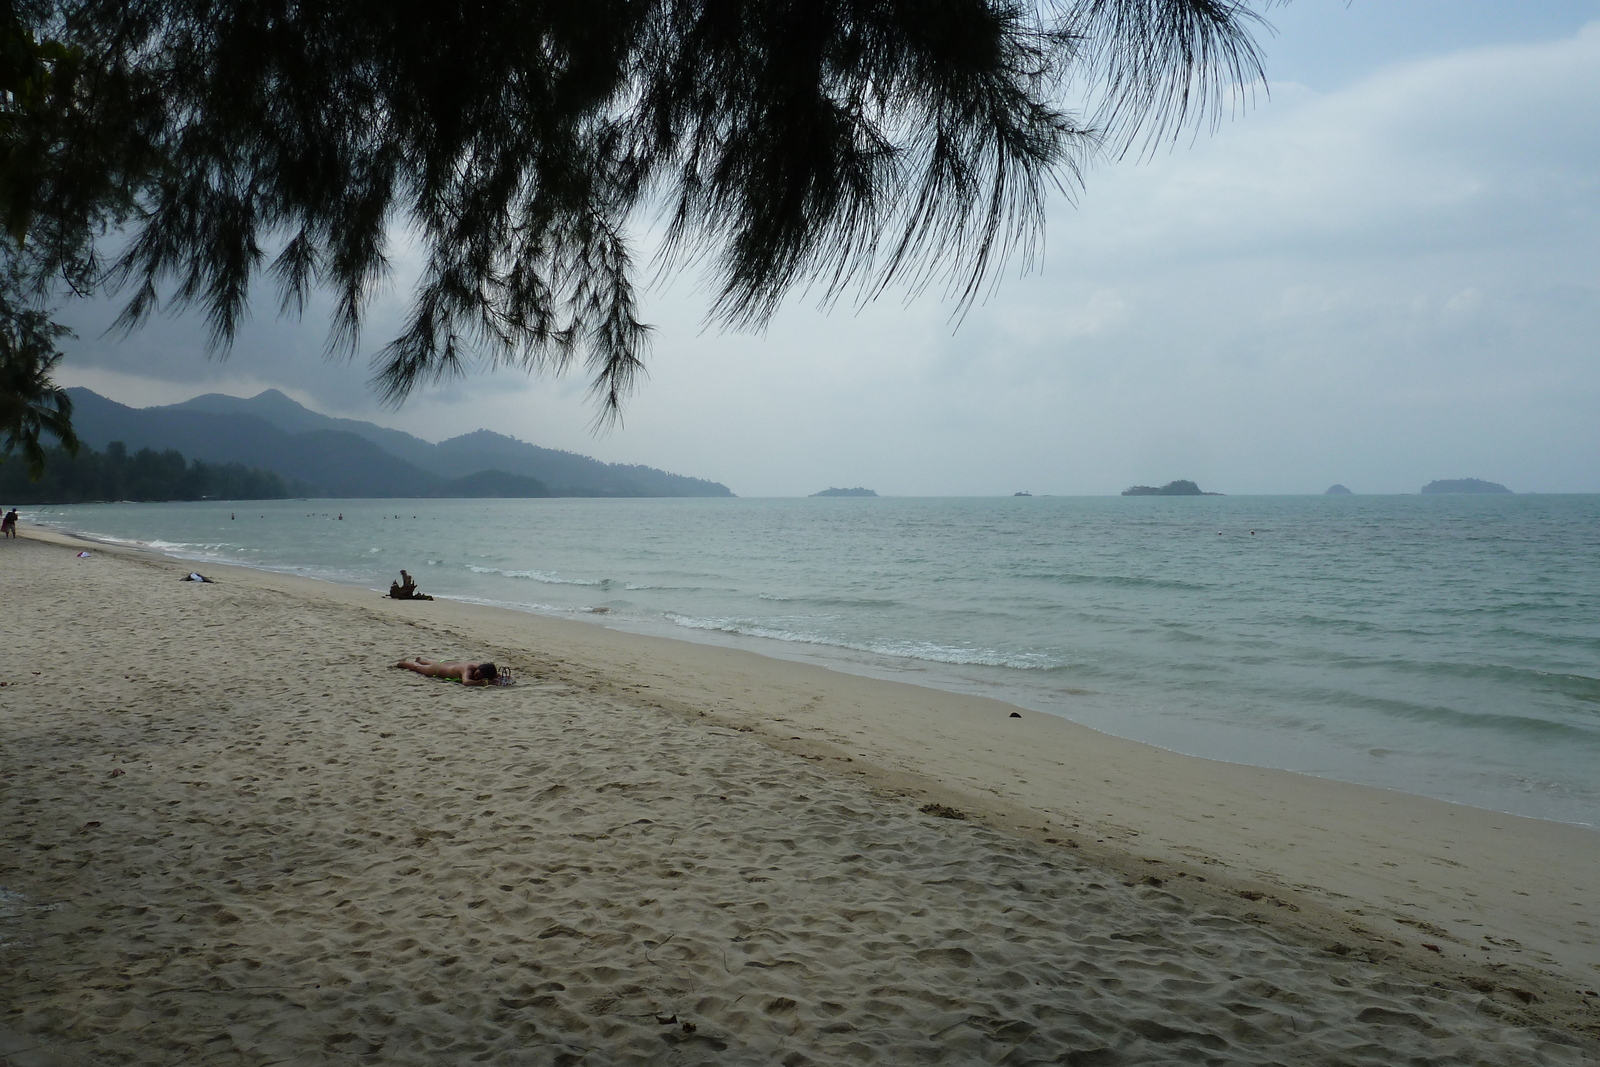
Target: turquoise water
1445 646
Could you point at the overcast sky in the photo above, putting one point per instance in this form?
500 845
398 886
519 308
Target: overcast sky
1386 272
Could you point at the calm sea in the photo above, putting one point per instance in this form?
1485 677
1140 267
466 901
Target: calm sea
1446 646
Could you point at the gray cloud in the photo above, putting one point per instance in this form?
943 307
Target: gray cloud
1377 285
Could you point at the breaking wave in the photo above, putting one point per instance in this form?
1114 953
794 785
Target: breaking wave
547 577
927 651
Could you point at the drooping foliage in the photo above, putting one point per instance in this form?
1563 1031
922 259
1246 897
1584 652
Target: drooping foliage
30 403
518 146
72 159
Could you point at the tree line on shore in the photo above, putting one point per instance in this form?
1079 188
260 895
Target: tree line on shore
145 475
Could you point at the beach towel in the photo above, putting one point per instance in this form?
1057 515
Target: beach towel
503 678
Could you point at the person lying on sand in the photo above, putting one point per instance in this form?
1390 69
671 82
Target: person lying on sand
465 673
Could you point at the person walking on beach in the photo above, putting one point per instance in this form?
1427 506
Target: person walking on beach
465 673
8 525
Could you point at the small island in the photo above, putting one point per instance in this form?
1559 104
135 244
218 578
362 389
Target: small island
858 491
1181 487
1464 485
1337 490
1021 494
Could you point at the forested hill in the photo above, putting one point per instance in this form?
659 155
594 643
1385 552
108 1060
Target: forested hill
351 458
567 473
115 474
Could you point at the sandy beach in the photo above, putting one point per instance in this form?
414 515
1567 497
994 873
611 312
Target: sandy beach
232 833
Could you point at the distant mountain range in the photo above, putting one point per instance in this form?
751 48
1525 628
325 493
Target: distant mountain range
350 458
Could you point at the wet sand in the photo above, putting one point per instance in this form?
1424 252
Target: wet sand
232 833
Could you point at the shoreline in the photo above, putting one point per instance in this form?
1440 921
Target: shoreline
1490 906
850 660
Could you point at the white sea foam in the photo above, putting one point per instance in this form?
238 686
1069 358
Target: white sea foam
918 650
113 540
538 576
516 605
